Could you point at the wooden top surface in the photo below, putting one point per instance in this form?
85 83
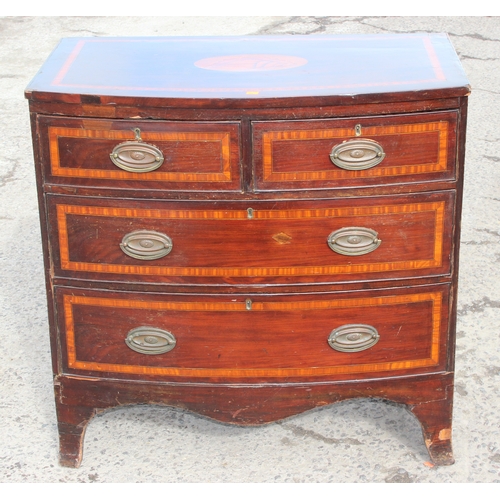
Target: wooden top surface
250 67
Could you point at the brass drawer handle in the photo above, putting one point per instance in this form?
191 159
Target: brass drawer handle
354 241
353 338
137 156
146 245
357 154
150 340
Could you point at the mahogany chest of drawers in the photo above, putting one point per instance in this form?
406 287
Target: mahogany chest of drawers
251 227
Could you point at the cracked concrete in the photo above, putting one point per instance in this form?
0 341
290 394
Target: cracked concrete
399 475
304 433
353 441
478 306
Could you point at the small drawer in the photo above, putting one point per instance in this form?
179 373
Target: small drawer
355 152
281 242
136 154
336 335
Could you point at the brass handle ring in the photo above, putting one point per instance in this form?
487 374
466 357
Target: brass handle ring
354 241
357 154
146 245
353 338
137 156
150 340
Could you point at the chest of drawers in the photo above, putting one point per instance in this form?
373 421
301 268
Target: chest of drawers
251 227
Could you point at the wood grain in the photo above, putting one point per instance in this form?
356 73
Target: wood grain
225 242
286 338
429 398
258 140
197 144
295 154
196 154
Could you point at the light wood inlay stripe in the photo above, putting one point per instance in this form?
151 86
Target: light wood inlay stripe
268 138
358 267
75 363
126 135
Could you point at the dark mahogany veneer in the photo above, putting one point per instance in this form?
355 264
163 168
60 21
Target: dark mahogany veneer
225 217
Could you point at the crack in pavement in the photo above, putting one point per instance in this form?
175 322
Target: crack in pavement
320 22
488 231
463 56
475 36
479 306
472 242
301 432
8 177
492 158
485 90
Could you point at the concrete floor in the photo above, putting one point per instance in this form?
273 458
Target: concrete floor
359 441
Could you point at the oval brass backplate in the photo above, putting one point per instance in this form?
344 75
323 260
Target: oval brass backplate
150 340
357 154
136 156
353 338
354 240
146 245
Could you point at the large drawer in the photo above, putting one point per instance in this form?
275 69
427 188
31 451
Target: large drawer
139 154
362 152
321 241
304 336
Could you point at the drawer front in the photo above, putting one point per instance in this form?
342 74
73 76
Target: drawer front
337 335
318 154
327 241
133 154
